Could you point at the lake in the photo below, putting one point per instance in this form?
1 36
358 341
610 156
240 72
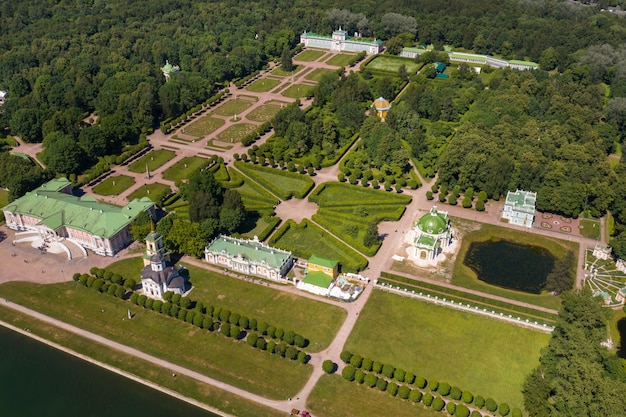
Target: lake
38 380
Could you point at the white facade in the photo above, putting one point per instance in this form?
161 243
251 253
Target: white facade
519 207
340 42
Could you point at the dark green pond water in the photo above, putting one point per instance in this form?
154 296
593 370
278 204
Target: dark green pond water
510 265
37 380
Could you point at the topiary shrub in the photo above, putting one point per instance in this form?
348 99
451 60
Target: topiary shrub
461 411
348 373
479 401
370 380
516 412
345 356
388 370
366 365
261 343
381 384
451 408
429 195
433 384
399 374
476 414
455 393
427 399
359 376
420 382
415 396
356 361
491 405
443 389
480 205
392 389
409 377
377 367
404 392
467 397
504 409
329 366
438 404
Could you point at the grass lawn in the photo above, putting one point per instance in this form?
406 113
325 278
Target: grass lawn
281 183
306 239
465 277
298 91
236 132
186 386
114 185
485 356
341 60
259 226
4 200
333 396
206 352
590 228
183 168
154 160
317 73
155 192
309 55
282 73
204 126
264 113
263 85
392 64
233 107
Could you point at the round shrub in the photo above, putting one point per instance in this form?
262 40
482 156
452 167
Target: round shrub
480 205
377 367
356 361
224 314
462 411
409 377
166 308
392 389
261 343
504 409
433 384
329 366
516 412
348 373
224 329
261 327
491 405
467 397
399 374
207 321
182 315
244 323
271 347
174 311
420 382
366 365
427 399
443 389
388 370
279 333
271 330
456 393
403 392
381 384
479 401
345 356
429 195
467 202
291 353
438 404
359 376
252 324
235 331
415 396
370 380
232 319
451 408
476 414
190 315
303 357
198 319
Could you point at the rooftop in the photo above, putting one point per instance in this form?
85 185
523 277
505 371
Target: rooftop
249 249
318 279
317 260
521 200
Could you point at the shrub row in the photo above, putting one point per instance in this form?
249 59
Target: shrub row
364 370
241 82
100 285
452 292
168 124
256 135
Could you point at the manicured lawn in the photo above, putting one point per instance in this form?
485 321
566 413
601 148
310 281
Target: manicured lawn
182 384
590 228
255 197
317 73
204 126
309 55
346 210
333 396
341 60
465 277
298 91
207 352
282 73
306 239
264 113
262 85
183 168
154 160
114 185
392 64
233 107
281 183
259 226
236 132
155 192
485 356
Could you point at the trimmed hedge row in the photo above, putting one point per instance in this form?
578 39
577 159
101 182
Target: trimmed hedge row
452 292
168 124
256 173
386 377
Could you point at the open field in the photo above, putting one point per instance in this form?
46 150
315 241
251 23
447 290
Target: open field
236 132
590 228
263 85
487 357
315 320
465 277
306 239
264 113
232 107
204 126
298 91
114 185
182 169
155 192
281 183
333 396
317 73
154 159
341 60
392 64
309 55
207 352
186 386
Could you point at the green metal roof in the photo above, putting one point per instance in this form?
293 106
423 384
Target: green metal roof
56 184
528 63
328 263
55 209
426 242
472 57
433 222
319 279
153 237
521 200
250 249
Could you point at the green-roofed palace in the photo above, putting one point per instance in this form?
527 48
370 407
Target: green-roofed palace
55 214
432 235
519 207
340 41
249 257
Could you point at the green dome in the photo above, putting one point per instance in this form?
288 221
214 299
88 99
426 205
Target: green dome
433 223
